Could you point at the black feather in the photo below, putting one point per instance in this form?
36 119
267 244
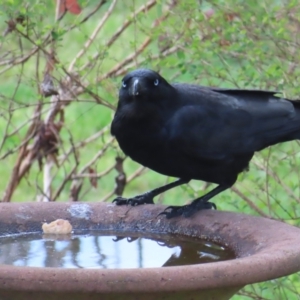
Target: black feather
197 132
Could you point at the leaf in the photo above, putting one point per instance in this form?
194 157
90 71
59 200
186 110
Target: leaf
181 55
73 7
69 5
93 180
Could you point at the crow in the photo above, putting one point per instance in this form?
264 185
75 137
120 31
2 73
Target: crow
197 132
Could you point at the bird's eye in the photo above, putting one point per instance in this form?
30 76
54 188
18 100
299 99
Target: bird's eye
156 82
124 85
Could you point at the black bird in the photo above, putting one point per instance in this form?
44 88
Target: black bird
195 132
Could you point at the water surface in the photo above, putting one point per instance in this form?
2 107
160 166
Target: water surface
106 251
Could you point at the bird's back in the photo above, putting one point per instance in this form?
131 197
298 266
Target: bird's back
238 120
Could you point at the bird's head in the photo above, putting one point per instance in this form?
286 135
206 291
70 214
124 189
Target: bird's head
144 99
144 85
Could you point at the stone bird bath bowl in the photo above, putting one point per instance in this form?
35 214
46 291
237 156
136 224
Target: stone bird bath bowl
264 249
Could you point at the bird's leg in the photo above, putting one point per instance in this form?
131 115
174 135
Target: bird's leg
198 204
147 198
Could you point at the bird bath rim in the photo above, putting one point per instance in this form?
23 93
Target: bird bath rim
265 249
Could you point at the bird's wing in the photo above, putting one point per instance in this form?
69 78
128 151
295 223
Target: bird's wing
245 93
214 125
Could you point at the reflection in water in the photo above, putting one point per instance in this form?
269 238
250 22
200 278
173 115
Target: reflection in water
104 251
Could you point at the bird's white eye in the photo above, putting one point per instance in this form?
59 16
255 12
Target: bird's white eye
124 85
156 82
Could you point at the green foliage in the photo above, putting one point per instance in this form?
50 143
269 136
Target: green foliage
245 44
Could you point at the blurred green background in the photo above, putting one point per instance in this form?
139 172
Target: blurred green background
218 43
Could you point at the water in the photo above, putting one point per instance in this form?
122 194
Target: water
93 250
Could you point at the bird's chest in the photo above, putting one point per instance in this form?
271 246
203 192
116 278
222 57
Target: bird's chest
144 138
142 143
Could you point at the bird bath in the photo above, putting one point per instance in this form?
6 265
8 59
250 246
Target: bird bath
264 249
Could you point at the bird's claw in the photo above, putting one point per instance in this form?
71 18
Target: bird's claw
138 200
186 210
120 201
173 211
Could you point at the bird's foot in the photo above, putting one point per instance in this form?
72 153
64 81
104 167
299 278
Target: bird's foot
187 210
146 198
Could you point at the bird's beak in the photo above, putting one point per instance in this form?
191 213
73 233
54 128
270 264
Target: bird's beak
135 88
